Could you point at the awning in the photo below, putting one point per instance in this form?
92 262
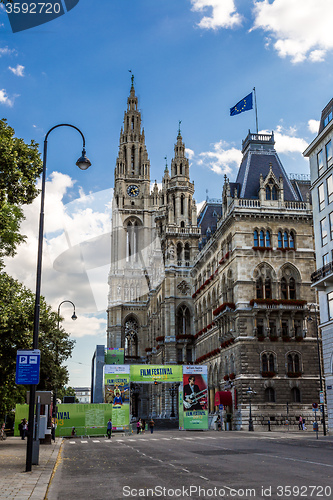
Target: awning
223 398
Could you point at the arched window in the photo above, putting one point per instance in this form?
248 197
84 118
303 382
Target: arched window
264 363
182 223
132 158
295 395
174 205
255 239
268 288
291 240
259 288
271 364
292 288
181 168
293 363
268 193
261 239
285 240
131 338
296 363
187 252
269 395
179 252
132 242
274 193
182 205
132 123
280 239
290 364
284 288
268 239
183 321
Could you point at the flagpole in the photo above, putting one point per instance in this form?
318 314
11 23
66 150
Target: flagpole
255 105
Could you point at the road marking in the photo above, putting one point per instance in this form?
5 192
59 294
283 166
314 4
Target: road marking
186 470
173 465
189 438
178 439
295 460
107 441
132 439
154 439
72 442
119 440
96 441
84 441
205 478
166 439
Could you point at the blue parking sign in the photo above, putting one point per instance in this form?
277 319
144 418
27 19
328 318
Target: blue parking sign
27 367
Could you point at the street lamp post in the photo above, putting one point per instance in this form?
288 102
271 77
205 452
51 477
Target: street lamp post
250 393
319 362
173 391
83 163
74 317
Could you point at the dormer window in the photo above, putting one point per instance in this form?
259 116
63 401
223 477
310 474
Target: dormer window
271 191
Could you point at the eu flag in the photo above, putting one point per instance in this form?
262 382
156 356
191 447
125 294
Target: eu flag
242 105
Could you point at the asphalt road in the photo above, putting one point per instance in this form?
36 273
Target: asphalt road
179 464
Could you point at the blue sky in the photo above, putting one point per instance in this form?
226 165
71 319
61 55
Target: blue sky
192 60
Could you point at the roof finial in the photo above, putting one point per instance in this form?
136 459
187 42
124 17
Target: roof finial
179 122
166 164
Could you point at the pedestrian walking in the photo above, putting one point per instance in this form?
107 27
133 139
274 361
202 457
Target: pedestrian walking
303 423
151 425
300 423
109 428
138 426
143 426
73 432
24 428
53 428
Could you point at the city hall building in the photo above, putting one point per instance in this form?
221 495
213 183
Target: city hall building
229 287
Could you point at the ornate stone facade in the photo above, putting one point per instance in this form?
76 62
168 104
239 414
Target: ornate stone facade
235 300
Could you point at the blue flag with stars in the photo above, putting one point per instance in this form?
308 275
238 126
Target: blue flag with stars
243 105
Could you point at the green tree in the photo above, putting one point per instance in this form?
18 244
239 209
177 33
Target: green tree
20 166
16 326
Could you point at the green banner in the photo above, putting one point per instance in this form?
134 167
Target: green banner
117 394
87 419
181 407
158 373
195 397
114 356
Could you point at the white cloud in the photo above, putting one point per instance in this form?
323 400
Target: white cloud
286 140
221 159
190 153
200 205
302 29
5 99
223 13
5 51
67 256
18 71
313 126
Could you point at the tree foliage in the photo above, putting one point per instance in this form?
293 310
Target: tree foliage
16 327
20 166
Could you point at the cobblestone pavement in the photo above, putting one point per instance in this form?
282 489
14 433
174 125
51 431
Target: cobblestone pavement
17 484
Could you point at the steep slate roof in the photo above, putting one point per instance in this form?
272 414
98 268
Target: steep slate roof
207 218
258 153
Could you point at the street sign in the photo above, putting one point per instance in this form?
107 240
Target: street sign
314 406
321 397
220 407
27 367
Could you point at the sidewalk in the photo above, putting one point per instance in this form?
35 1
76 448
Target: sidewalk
17 484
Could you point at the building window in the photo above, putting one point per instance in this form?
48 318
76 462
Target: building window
268 193
259 289
330 304
285 240
295 395
326 259
255 238
131 338
268 239
261 239
327 118
321 197
267 363
330 189
291 240
269 395
293 363
323 232
320 161
328 149
331 224
274 193
280 240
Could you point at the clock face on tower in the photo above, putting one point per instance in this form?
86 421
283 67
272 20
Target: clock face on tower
133 190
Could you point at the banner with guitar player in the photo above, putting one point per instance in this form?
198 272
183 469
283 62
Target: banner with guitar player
117 393
195 397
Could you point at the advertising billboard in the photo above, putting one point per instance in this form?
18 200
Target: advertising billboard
195 397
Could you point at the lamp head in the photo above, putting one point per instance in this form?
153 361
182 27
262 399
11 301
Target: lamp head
74 317
83 162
